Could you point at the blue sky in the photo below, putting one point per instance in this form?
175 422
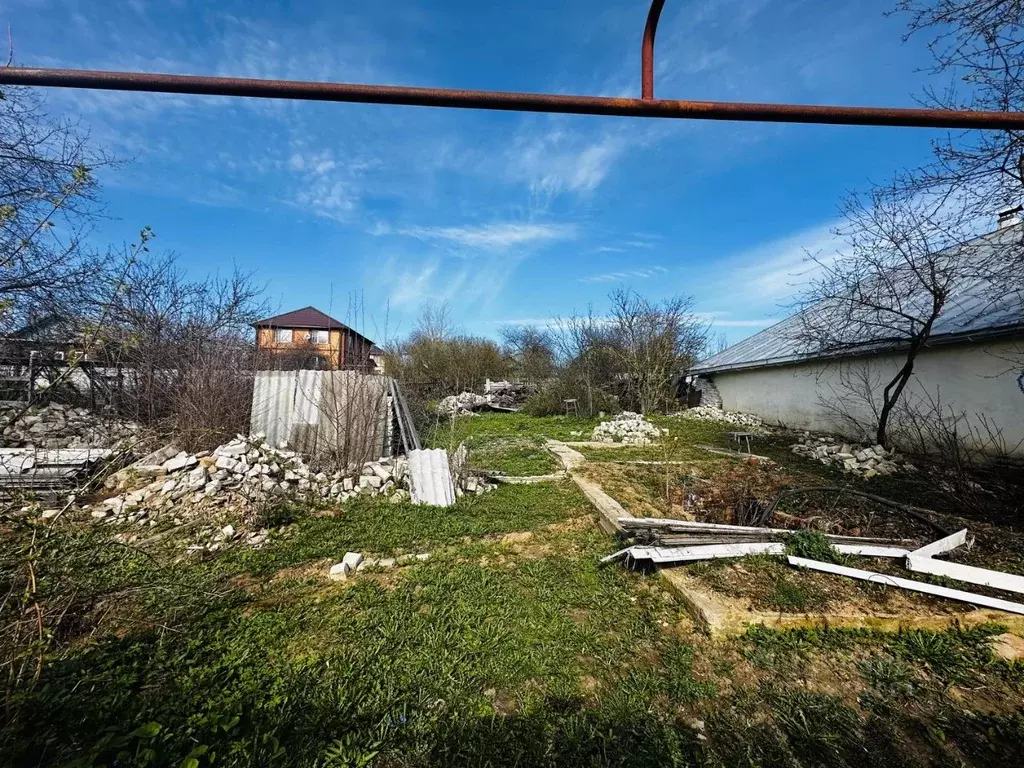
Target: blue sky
368 211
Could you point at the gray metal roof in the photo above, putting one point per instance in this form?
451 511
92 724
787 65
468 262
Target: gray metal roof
971 312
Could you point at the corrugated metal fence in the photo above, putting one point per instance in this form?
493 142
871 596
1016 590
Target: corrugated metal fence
344 413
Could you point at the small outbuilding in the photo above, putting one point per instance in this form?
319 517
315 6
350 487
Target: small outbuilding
972 365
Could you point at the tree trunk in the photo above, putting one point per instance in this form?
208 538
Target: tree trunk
893 390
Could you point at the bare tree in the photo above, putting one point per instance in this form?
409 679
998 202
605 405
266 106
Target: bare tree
532 349
719 344
435 322
437 359
980 45
653 342
586 365
907 261
178 339
47 205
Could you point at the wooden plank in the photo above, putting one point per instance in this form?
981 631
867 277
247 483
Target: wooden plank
981 576
909 584
947 544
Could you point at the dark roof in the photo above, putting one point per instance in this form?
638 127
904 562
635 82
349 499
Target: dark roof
971 314
38 328
307 317
375 350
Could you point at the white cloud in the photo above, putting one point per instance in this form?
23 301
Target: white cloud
412 285
472 284
776 270
762 279
616 277
554 161
496 236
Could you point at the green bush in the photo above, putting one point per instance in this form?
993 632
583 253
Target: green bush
550 399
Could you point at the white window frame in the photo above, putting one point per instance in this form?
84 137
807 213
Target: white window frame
321 337
283 335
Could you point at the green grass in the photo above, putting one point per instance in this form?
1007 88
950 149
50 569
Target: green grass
511 455
950 655
450 662
657 452
693 430
510 646
387 529
451 433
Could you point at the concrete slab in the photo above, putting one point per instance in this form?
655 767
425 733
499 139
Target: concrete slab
608 509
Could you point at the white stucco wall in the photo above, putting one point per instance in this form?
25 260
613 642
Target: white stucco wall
976 378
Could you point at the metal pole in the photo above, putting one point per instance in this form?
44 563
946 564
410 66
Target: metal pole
647 51
509 101
31 375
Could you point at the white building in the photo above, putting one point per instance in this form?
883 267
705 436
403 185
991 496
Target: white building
973 364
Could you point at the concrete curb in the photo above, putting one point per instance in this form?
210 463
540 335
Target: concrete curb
608 509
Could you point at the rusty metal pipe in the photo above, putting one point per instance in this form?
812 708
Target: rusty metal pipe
507 101
647 51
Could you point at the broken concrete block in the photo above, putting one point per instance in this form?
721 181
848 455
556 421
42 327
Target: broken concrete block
226 463
352 559
232 449
179 462
339 571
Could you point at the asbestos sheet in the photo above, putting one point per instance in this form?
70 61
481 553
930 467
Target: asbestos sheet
431 478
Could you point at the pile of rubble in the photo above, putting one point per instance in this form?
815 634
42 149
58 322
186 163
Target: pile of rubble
749 423
866 461
242 477
500 396
627 427
461 405
62 426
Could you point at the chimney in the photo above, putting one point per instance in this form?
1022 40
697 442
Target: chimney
1009 217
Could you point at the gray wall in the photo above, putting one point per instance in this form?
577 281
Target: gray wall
976 378
341 414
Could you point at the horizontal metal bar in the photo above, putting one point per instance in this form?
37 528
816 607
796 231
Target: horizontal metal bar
507 101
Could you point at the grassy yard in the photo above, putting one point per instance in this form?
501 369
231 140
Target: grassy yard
508 646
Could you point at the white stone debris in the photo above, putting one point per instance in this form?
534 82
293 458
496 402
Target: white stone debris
461 405
749 423
355 562
237 482
866 461
339 571
499 394
63 426
626 427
